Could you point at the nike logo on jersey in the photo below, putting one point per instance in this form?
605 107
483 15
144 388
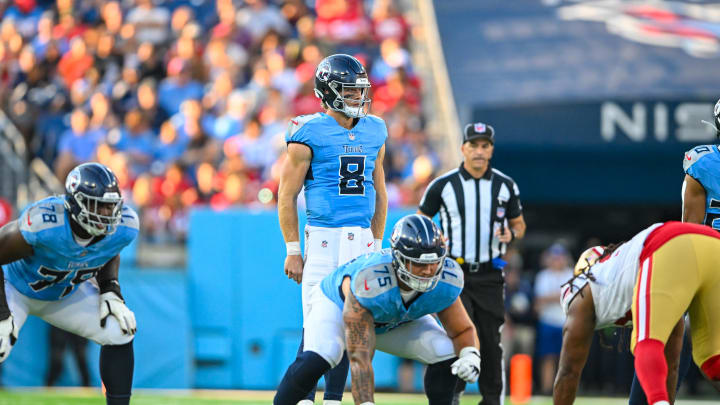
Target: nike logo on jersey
366 287
370 244
28 221
294 122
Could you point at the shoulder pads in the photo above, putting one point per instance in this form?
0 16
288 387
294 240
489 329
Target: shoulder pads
129 218
374 280
298 122
452 273
45 214
695 154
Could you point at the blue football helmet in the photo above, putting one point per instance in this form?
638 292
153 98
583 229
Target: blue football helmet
92 197
417 240
336 79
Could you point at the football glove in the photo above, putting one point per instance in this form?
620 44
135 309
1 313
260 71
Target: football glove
8 337
467 366
111 304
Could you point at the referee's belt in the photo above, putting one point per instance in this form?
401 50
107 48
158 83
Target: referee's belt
474 267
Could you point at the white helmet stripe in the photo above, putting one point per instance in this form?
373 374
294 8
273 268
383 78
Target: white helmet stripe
107 173
422 220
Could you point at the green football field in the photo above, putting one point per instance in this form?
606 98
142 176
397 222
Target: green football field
200 397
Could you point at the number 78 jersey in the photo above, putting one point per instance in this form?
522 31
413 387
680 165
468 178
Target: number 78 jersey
339 187
58 263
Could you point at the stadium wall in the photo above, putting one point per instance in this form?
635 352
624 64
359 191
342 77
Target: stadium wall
230 320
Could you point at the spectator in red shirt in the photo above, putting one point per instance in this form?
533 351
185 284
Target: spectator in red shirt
341 21
388 23
74 64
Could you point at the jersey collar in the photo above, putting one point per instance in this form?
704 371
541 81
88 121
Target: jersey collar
467 176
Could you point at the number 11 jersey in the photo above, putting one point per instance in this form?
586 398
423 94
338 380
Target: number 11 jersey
702 163
339 187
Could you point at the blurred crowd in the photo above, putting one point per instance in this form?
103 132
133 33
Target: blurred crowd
188 100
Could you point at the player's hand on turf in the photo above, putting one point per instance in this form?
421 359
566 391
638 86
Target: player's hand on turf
111 304
8 337
294 267
467 366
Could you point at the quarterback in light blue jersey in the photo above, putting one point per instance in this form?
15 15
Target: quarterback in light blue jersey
386 300
60 262
337 158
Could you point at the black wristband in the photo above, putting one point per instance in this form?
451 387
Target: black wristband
111 286
4 311
4 308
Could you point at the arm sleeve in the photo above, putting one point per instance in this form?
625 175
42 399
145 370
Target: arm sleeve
514 205
696 171
431 200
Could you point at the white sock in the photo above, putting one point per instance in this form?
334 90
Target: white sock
662 403
305 402
331 402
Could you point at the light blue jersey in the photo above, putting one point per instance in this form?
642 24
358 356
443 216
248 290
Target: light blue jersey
339 187
703 164
374 284
58 263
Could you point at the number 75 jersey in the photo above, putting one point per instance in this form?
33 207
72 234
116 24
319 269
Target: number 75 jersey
374 284
339 187
58 263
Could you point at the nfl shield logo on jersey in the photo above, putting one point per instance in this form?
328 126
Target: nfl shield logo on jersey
500 212
324 244
351 136
351 236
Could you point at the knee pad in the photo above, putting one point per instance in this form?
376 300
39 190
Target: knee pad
440 383
711 368
331 351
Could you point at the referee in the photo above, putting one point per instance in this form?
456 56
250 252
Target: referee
480 213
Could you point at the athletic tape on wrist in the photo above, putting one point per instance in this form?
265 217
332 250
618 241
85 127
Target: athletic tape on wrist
293 248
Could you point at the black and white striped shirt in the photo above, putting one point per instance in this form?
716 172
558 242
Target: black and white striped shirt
471 209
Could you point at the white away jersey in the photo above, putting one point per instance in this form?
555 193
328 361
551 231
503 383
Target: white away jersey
614 282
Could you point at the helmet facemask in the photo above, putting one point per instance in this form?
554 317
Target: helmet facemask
93 215
405 274
346 100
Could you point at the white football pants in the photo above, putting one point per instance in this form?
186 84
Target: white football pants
328 248
423 339
78 313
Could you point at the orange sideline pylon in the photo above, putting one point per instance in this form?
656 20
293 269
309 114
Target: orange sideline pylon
520 378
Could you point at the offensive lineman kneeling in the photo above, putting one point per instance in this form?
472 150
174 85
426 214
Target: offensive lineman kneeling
49 252
384 300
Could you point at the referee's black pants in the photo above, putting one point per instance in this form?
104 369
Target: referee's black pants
483 298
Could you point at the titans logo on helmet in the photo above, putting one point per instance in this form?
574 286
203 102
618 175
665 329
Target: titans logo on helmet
323 71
